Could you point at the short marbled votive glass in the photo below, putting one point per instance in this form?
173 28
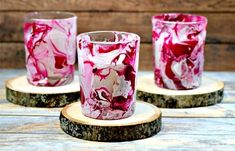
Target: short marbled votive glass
178 48
50 46
108 62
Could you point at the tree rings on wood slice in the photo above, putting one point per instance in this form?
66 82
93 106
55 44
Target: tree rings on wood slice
19 91
210 92
145 122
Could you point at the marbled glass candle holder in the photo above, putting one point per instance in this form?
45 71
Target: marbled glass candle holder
178 46
50 45
108 62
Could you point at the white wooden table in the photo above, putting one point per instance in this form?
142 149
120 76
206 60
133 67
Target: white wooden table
204 128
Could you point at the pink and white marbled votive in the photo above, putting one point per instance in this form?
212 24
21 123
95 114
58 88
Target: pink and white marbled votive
50 45
178 46
108 62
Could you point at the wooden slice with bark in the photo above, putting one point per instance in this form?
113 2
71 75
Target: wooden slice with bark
19 91
145 122
209 93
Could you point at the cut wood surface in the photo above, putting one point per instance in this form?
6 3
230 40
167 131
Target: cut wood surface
220 26
210 92
144 123
208 85
120 5
21 84
215 55
19 91
226 110
207 128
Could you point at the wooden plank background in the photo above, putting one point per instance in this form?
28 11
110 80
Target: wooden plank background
131 16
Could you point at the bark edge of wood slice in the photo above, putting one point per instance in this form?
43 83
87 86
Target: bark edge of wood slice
20 92
145 122
209 93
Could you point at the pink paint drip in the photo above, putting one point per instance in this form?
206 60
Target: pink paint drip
108 76
50 51
178 42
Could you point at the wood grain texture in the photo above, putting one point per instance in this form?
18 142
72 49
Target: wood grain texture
219 110
210 128
120 5
50 125
220 26
165 141
19 91
218 57
144 123
204 128
12 55
227 77
228 96
225 109
209 92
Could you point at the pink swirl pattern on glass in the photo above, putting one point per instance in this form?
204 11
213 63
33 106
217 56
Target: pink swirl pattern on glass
50 46
178 46
108 63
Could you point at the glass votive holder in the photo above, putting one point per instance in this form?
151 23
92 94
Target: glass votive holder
50 46
178 48
108 64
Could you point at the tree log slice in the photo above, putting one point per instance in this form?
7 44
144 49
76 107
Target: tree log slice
19 91
145 122
209 93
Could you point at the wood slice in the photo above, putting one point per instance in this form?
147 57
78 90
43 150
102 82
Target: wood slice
19 91
145 122
209 93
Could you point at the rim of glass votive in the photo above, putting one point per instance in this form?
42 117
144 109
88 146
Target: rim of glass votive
82 35
202 19
48 15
